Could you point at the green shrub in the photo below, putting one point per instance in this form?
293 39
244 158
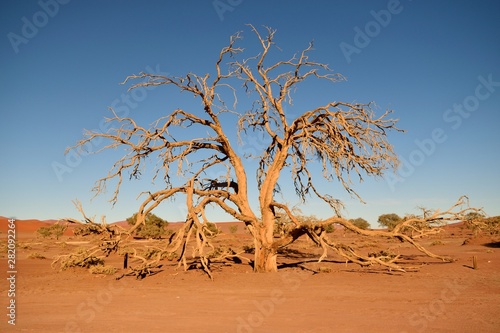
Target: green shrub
360 223
233 229
154 226
56 230
390 221
212 228
45 232
157 253
329 228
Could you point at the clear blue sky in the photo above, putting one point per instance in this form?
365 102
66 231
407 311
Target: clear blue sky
436 63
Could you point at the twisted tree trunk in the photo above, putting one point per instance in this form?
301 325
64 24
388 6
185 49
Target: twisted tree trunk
265 252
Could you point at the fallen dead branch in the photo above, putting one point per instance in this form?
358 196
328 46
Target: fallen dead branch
416 227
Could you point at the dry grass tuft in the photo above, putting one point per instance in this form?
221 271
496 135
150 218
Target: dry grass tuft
102 269
36 255
81 258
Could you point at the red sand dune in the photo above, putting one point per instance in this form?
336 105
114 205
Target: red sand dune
22 225
32 225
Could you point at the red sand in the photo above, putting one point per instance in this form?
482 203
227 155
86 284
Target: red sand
306 297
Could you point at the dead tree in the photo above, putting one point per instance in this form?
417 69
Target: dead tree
343 139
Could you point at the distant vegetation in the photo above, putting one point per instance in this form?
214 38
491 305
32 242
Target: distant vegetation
361 223
481 224
389 221
154 226
56 230
212 229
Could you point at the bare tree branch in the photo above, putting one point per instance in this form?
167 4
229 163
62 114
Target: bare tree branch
347 141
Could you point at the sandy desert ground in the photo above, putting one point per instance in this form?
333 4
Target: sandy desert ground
305 296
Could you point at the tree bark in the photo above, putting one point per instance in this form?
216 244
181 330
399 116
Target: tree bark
265 253
265 259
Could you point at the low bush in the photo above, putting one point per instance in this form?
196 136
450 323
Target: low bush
153 227
233 229
36 255
56 230
102 269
